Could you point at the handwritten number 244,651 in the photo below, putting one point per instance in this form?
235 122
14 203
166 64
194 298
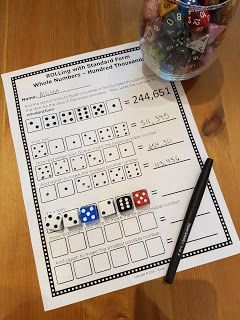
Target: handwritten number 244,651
151 96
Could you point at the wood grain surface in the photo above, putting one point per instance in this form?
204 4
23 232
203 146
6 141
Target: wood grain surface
32 32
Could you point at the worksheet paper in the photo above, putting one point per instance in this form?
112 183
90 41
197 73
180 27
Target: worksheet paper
95 127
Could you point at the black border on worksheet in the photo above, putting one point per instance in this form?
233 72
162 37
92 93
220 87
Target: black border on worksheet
54 292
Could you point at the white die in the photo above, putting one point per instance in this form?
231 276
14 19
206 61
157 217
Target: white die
107 208
71 218
53 222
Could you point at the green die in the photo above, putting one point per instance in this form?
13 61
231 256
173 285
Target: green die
156 53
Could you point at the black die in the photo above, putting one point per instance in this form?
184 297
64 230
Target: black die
124 203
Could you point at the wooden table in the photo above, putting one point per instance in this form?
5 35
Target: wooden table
33 32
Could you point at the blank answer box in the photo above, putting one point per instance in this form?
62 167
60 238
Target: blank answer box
137 252
82 268
77 242
148 221
119 257
113 231
101 262
95 237
130 226
64 273
58 248
155 246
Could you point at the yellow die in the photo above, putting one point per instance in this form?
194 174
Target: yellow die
166 6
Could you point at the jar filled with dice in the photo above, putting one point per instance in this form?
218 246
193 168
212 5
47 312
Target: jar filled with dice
179 39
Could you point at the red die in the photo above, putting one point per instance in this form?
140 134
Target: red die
141 198
197 20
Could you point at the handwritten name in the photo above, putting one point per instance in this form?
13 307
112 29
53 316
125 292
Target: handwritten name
48 93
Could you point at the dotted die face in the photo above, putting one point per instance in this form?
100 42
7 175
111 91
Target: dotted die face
89 213
124 203
141 198
53 222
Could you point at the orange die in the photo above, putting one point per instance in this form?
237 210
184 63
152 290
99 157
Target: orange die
141 198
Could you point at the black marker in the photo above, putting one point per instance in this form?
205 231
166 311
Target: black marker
188 220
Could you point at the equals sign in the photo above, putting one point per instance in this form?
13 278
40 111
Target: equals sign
170 240
145 165
140 147
154 192
163 218
133 124
126 101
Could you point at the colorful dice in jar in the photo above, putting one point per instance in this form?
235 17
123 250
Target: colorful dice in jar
179 39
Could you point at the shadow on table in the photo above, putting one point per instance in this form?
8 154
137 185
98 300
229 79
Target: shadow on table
184 300
205 87
201 89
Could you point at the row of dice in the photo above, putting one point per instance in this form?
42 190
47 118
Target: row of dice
70 116
90 213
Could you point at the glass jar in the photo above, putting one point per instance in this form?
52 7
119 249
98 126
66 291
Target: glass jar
179 39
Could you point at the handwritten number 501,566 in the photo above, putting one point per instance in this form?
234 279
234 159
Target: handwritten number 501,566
151 96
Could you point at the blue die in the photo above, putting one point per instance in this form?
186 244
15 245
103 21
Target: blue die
186 9
89 213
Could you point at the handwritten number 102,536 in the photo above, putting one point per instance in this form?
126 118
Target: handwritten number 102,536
151 96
